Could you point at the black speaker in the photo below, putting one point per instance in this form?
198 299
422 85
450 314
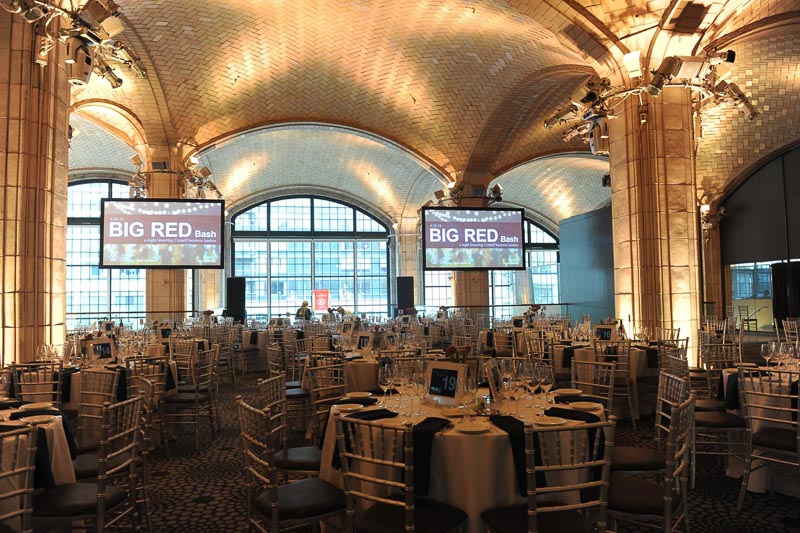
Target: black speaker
235 299
405 292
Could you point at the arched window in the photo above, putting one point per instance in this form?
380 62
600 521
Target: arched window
288 247
541 250
94 293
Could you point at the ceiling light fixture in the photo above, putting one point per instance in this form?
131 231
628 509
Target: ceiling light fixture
593 104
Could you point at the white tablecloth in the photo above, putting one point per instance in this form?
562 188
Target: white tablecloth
474 472
759 480
262 340
60 460
638 368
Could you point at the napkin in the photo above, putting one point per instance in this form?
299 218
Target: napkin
371 415
569 353
516 436
423 445
569 398
11 404
73 449
652 356
371 400
66 383
42 471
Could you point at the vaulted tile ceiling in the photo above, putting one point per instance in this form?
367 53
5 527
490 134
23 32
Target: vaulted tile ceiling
383 102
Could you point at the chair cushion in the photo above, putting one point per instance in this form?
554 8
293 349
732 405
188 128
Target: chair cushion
190 388
293 384
429 517
631 494
709 405
85 465
777 438
304 498
74 499
86 444
515 519
184 397
718 419
648 380
297 394
636 459
299 458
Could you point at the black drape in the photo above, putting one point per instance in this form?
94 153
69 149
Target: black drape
786 290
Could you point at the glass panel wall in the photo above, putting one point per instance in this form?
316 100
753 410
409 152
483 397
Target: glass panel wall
286 248
94 293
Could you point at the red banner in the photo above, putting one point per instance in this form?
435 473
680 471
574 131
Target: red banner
321 298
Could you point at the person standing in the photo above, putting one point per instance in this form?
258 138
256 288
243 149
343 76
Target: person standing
303 312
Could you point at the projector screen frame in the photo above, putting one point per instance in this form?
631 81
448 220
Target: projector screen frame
219 266
427 267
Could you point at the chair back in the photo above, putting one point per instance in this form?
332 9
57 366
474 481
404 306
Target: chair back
271 391
38 382
618 352
259 464
716 358
790 330
596 380
771 412
327 384
98 387
563 455
672 391
374 457
503 341
274 359
17 462
153 368
678 452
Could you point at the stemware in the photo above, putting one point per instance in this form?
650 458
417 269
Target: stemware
546 380
385 380
766 353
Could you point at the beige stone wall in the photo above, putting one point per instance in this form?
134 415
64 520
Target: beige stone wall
33 192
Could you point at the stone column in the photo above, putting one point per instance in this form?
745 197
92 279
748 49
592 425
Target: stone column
166 288
34 103
654 212
471 288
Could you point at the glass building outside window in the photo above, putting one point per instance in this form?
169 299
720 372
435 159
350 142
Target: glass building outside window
94 293
288 247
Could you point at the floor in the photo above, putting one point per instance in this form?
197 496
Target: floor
202 490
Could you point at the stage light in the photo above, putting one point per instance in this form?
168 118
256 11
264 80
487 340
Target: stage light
668 68
102 69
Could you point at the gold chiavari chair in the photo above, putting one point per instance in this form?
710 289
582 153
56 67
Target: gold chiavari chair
566 453
619 352
185 408
596 380
362 447
18 451
98 387
274 507
38 382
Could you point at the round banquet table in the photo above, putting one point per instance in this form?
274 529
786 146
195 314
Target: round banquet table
474 472
760 481
638 368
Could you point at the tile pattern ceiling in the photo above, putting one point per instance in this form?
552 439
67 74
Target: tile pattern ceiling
557 187
464 84
93 148
300 158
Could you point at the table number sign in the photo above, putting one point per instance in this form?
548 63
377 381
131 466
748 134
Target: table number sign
443 380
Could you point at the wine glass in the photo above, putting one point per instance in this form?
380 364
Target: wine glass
766 353
385 380
41 352
465 395
546 380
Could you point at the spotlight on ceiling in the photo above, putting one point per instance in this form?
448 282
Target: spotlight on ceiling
31 12
79 61
728 56
136 161
440 194
123 54
632 63
668 68
106 14
102 69
496 193
732 93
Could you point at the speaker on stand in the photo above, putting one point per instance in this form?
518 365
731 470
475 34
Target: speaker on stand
235 298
